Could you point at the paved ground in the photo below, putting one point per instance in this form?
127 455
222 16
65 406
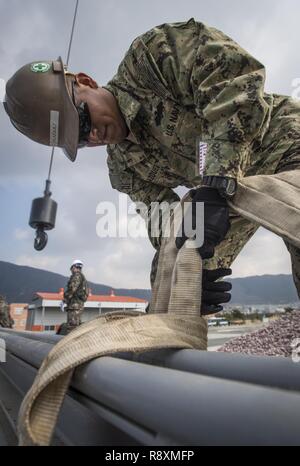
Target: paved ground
217 336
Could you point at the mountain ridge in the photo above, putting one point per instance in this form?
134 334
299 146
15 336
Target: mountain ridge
19 283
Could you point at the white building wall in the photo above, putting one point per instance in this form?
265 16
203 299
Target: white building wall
96 305
54 316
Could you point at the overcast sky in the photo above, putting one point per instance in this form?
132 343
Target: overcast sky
34 30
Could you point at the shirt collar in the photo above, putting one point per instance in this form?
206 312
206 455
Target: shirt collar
129 106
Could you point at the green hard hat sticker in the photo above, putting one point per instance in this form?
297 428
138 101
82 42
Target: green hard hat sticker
40 67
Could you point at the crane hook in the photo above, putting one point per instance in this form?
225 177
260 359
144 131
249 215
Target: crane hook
42 217
40 240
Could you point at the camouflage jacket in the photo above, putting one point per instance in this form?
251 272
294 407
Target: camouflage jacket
183 86
76 291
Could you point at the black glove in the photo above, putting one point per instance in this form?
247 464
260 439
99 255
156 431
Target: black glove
214 293
216 220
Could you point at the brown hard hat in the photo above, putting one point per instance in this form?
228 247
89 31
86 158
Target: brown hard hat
40 106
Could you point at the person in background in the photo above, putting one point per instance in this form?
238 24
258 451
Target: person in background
75 295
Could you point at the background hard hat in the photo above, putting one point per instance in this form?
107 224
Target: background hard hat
40 106
77 263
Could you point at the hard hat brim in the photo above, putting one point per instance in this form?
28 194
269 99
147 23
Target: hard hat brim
70 120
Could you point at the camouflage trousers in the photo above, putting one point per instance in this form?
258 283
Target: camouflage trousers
74 314
6 322
279 151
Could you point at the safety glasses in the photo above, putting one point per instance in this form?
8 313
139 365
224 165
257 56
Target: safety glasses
85 124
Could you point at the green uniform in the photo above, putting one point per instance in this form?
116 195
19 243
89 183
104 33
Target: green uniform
75 295
5 319
195 105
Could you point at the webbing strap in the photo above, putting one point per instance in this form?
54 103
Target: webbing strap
272 201
107 334
175 323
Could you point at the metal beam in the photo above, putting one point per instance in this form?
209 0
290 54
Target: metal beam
278 372
185 408
39 336
77 424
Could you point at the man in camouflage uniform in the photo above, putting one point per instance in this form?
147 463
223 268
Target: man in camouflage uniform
183 83
75 295
186 107
5 319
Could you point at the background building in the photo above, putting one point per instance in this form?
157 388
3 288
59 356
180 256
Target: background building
19 313
44 314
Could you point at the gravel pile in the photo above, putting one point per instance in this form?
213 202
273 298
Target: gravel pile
272 340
